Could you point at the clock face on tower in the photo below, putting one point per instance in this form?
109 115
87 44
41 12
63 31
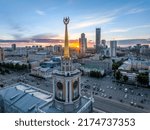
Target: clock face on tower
59 85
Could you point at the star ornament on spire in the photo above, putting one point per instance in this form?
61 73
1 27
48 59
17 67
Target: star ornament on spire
66 20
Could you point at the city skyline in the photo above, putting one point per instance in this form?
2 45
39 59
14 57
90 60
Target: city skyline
60 79
32 20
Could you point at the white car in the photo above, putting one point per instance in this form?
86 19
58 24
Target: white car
125 96
125 90
103 90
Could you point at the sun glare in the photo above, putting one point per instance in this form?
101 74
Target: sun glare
74 45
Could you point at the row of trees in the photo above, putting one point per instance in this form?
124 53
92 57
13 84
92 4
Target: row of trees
120 77
142 78
12 66
96 74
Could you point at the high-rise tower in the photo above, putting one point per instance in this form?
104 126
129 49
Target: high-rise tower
113 48
82 43
1 54
66 82
98 39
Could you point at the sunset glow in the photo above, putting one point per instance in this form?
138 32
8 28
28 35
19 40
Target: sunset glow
74 45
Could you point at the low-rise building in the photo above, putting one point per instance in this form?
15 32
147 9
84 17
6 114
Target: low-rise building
42 72
99 65
54 62
135 64
131 76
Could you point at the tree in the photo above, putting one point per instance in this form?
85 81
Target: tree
24 66
11 66
125 78
118 75
142 78
116 65
29 66
96 74
17 66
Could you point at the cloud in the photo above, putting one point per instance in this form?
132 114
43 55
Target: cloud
92 23
99 18
20 36
135 10
141 26
40 12
122 30
118 30
44 36
17 36
17 30
15 26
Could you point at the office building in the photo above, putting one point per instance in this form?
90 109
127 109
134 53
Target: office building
113 48
98 39
82 44
13 46
104 43
1 54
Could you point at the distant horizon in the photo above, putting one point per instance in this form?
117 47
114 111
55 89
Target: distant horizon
73 43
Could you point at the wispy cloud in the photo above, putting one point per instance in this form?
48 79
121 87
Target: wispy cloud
44 36
141 26
135 10
40 12
122 30
94 19
94 22
119 30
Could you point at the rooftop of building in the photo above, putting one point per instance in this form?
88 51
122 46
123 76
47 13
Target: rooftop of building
92 67
42 69
28 99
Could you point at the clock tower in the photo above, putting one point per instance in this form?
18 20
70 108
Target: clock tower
66 81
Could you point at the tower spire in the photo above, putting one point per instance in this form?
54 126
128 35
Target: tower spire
66 46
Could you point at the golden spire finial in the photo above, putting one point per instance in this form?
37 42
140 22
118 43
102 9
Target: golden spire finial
66 47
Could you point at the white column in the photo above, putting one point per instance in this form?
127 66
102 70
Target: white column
53 88
80 85
66 85
70 93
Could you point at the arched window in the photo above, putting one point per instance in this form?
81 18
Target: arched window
59 85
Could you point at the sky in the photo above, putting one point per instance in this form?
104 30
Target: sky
118 19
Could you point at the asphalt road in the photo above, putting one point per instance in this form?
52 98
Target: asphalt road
111 106
105 88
